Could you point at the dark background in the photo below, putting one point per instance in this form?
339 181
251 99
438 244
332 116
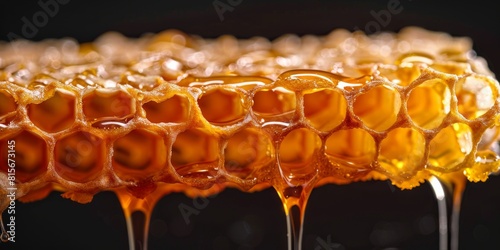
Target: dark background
370 215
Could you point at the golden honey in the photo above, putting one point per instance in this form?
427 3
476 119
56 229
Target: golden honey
172 112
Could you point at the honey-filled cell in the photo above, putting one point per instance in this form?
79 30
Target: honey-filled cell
221 106
451 68
353 148
403 75
429 103
296 155
246 152
195 154
7 106
54 114
175 109
475 96
325 109
450 146
378 108
27 153
415 57
79 156
7 103
401 152
138 155
273 102
103 104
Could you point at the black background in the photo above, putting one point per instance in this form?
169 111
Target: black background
370 215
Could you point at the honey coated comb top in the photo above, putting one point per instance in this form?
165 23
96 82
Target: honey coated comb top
172 108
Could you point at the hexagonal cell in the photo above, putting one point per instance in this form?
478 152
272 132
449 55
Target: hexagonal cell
7 103
401 152
30 152
54 114
107 105
450 146
174 109
415 57
138 155
454 54
429 103
475 96
79 156
403 75
273 102
489 139
352 148
451 67
325 109
246 151
195 154
378 107
7 107
296 155
222 106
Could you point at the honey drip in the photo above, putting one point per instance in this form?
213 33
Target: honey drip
295 202
4 236
169 112
137 213
448 192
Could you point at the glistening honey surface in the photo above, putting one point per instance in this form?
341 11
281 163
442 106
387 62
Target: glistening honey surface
169 109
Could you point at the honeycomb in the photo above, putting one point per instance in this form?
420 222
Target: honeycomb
173 112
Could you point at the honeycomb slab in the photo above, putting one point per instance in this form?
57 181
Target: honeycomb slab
171 108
